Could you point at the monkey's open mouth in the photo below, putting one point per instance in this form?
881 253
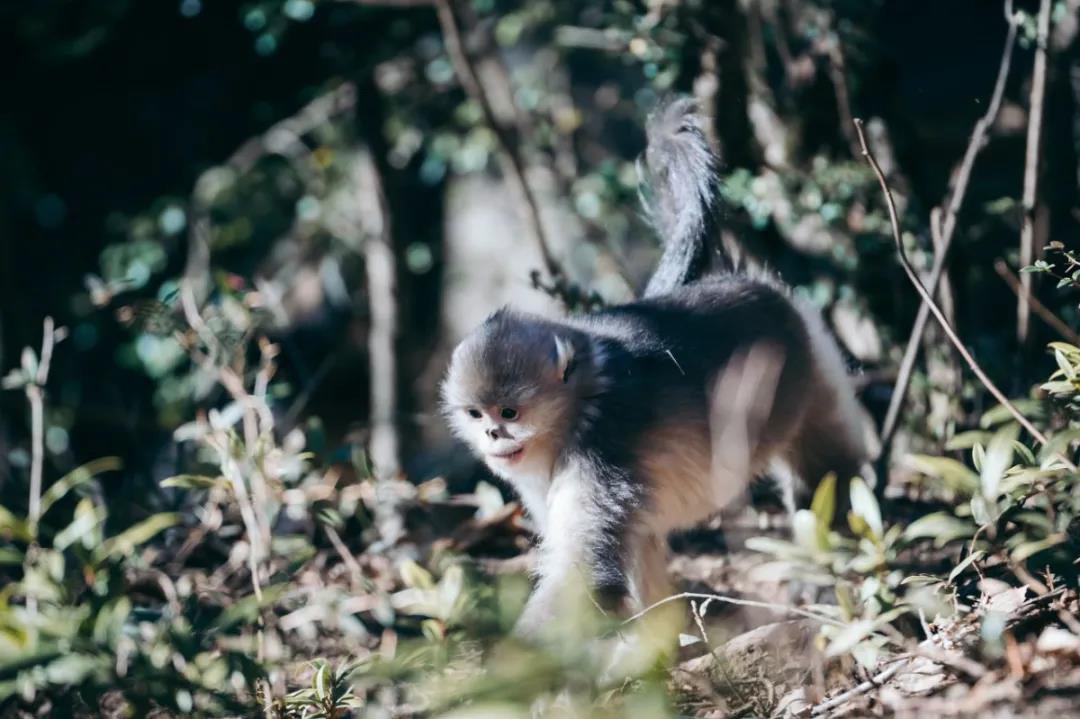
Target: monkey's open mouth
508 455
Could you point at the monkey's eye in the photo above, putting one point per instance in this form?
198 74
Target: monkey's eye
508 413
474 412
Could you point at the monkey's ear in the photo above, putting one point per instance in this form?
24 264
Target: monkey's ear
564 358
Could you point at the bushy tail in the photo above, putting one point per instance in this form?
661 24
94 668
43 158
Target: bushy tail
680 194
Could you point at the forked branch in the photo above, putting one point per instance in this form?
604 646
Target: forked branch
948 226
928 300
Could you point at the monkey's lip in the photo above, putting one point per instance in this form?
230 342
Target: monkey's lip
508 455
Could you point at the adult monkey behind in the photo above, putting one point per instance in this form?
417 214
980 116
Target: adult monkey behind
618 426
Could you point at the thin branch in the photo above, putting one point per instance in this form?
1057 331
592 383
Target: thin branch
948 226
834 52
1031 167
867 686
356 573
928 301
1037 307
787 609
35 395
513 164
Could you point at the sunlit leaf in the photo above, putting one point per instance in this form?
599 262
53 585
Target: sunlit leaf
999 457
856 632
415 576
125 543
88 517
194 481
865 505
246 610
955 475
804 530
959 568
824 502
1001 413
940 526
1028 549
12 527
982 510
967 440
76 478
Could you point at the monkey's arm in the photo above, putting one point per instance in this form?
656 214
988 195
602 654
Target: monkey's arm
591 506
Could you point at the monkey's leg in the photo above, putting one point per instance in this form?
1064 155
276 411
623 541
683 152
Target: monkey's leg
829 439
651 582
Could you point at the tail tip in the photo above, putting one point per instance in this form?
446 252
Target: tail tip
673 116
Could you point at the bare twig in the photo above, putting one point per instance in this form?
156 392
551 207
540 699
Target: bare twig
258 531
948 226
928 301
834 51
1037 307
785 608
35 396
944 289
355 571
1031 167
513 163
867 686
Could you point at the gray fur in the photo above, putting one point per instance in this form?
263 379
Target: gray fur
680 195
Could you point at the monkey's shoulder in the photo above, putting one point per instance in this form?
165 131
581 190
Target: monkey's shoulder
731 304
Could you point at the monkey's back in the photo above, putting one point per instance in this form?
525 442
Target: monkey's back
696 329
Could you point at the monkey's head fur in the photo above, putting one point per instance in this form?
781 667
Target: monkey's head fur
513 390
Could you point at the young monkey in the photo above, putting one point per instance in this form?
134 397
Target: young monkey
619 426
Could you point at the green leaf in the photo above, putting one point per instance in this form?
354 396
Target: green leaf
978 454
193 481
1000 413
15 379
110 620
864 504
14 527
955 475
857 631
999 457
28 361
775 547
942 527
88 517
1025 453
824 503
1059 444
959 568
77 477
73 669
1064 364
983 510
967 440
415 576
124 544
1028 549
247 609
322 681
804 530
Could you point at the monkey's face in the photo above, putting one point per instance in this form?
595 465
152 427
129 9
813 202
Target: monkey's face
506 393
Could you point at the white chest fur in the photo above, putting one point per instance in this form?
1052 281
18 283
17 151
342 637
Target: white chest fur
531 479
